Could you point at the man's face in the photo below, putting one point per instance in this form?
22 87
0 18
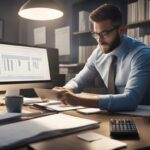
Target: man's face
107 35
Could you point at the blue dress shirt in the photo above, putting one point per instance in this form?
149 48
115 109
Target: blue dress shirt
132 75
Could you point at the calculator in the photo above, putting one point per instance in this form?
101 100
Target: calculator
123 128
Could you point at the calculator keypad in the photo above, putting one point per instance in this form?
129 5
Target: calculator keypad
123 128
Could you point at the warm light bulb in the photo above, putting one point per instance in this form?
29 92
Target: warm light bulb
40 13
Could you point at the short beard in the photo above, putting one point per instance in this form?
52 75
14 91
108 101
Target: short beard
115 43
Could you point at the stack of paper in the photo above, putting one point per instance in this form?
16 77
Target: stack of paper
56 106
41 128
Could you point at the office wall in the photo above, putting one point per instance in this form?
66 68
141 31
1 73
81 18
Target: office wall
26 26
19 30
8 13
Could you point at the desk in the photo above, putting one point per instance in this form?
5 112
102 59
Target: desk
71 142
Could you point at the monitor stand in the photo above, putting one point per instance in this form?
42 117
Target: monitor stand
12 92
27 100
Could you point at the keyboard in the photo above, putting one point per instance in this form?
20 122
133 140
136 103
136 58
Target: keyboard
123 128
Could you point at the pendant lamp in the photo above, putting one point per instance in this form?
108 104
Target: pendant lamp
40 10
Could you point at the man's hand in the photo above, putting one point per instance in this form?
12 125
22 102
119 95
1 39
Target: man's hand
68 97
61 92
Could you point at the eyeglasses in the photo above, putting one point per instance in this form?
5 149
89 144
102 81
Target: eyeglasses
104 33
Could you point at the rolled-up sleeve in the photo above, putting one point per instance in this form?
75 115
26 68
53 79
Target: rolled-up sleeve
137 85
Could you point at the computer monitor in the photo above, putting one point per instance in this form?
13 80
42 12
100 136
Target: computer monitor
23 67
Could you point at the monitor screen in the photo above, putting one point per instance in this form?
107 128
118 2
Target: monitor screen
20 65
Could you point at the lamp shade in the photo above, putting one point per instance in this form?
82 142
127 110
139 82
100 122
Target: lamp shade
40 10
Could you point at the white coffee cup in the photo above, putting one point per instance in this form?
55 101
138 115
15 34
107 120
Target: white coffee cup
14 103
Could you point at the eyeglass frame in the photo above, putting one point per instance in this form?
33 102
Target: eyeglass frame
104 33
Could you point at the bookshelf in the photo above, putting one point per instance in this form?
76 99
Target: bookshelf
138 20
81 32
83 42
70 70
140 23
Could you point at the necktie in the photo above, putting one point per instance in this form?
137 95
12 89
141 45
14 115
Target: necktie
111 75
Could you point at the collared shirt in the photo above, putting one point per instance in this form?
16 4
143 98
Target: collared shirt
132 75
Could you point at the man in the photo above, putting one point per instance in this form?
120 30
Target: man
132 58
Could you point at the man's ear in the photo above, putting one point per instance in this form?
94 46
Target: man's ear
122 29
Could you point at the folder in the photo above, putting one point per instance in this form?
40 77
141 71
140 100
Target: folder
21 133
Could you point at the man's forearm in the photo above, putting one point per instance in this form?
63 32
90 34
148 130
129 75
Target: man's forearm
92 101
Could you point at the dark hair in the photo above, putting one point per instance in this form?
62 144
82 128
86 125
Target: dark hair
105 12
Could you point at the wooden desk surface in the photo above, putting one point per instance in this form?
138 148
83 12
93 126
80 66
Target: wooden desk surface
71 142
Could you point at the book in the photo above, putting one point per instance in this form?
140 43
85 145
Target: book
41 128
84 24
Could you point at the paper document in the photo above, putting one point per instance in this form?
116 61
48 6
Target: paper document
40 35
41 128
142 110
58 106
89 110
97 142
51 102
46 93
89 136
31 100
62 40
62 107
105 143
